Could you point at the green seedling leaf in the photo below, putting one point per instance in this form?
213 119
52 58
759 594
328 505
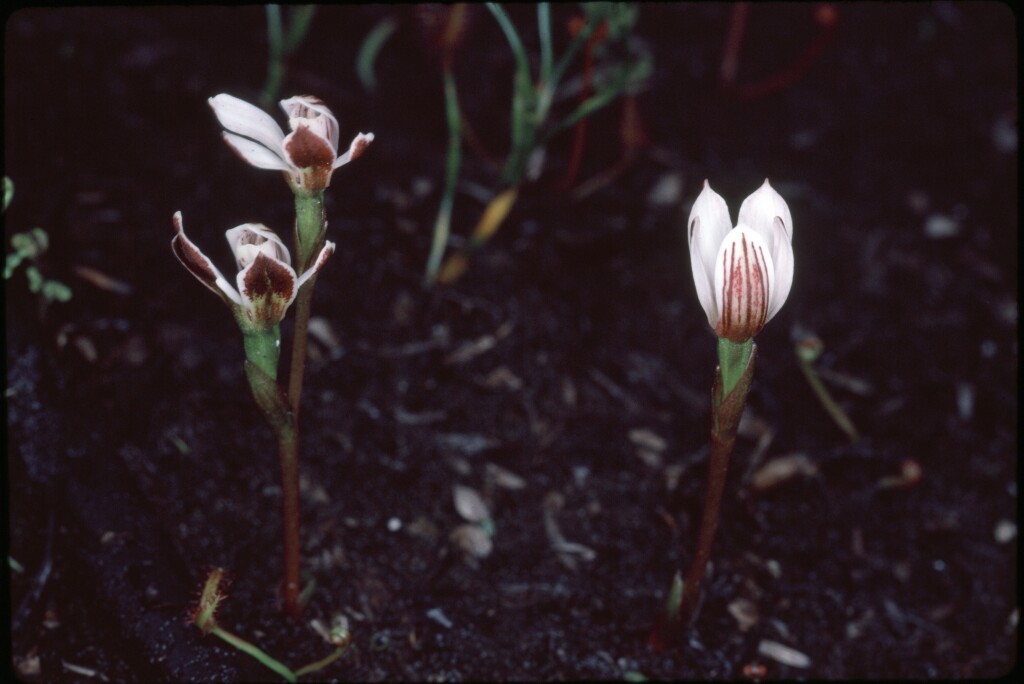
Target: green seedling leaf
14 260
31 244
35 279
56 291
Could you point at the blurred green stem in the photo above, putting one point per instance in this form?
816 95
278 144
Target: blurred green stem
282 46
442 226
820 391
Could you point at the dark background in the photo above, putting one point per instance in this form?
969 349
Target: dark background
573 354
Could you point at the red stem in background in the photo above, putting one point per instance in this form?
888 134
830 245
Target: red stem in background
579 137
826 16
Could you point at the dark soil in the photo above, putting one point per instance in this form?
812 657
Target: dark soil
572 355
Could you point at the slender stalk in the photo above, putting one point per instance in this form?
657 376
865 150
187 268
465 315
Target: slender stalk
522 62
718 469
254 651
303 306
275 61
578 41
544 31
301 19
289 452
821 392
728 398
281 45
443 224
524 114
310 227
321 664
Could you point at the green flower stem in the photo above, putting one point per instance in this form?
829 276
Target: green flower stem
263 348
310 230
255 652
729 396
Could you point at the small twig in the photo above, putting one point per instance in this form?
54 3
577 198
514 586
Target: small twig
39 583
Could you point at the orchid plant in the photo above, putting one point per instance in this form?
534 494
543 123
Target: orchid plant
743 275
269 280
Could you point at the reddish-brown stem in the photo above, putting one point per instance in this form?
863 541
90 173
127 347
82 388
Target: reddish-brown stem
300 336
727 409
289 452
734 43
579 137
310 225
718 468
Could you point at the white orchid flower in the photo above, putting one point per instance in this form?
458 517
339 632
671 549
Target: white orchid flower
743 274
307 156
267 284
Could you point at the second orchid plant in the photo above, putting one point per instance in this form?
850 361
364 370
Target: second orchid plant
269 279
743 275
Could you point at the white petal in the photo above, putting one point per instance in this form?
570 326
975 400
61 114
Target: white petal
759 210
256 154
713 215
782 257
226 288
321 259
265 240
359 144
242 118
199 264
703 274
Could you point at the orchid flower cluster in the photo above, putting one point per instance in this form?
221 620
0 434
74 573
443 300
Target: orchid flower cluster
269 280
308 156
743 275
